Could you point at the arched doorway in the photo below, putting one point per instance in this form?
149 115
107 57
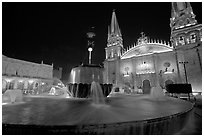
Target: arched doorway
146 88
167 82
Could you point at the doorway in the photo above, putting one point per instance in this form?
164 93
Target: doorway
146 88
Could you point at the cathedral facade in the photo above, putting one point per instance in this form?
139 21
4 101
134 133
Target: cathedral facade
150 62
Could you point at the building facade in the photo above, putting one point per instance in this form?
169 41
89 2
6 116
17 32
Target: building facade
150 62
57 73
24 75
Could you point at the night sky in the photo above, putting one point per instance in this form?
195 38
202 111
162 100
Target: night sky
56 32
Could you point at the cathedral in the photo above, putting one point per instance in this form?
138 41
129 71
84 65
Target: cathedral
150 62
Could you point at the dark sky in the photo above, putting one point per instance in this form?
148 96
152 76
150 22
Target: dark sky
56 32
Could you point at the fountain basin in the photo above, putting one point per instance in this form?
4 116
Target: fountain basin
125 115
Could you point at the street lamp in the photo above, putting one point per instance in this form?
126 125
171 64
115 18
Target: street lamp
184 66
90 49
90 36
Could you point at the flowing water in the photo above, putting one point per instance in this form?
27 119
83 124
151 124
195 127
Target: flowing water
95 110
97 93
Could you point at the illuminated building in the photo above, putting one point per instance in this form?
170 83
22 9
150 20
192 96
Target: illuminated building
24 75
148 62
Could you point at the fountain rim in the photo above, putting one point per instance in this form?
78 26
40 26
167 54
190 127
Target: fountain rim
108 127
137 121
102 125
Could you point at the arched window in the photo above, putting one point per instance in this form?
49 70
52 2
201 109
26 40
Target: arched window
193 37
182 40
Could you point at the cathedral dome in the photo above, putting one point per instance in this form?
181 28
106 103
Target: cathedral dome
145 47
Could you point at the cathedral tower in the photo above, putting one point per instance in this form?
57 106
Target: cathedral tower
186 38
113 52
115 41
184 28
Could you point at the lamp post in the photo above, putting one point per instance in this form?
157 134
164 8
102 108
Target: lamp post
90 36
90 49
184 66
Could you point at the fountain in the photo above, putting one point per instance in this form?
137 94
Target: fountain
97 93
96 115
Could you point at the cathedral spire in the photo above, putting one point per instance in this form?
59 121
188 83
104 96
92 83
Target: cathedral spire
181 15
114 27
114 41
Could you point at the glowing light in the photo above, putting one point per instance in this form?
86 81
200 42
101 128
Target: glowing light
146 72
20 80
145 68
8 80
126 75
195 93
73 76
30 81
5 103
168 72
90 49
129 52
